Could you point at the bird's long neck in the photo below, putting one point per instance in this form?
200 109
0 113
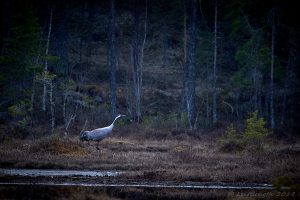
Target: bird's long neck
110 127
112 124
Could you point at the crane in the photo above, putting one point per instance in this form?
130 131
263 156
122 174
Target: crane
99 133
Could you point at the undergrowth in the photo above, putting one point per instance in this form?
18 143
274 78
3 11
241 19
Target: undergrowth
58 146
253 136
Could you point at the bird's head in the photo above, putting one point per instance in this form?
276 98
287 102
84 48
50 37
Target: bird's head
118 117
84 136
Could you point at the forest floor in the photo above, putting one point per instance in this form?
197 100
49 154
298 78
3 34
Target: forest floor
197 159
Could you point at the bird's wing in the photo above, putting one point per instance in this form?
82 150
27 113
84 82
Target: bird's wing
98 134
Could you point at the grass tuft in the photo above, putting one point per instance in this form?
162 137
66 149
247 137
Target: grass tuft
58 146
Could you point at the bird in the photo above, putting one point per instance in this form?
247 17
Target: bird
99 133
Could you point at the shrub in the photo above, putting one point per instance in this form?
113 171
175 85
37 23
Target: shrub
231 134
20 113
57 146
231 141
254 134
255 131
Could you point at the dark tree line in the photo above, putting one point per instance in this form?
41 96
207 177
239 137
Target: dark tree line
194 63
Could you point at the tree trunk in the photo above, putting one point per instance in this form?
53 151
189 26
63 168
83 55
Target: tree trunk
46 63
184 32
190 68
184 69
65 108
141 61
259 106
289 87
62 42
283 108
135 57
128 92
33 86
266 103
32 98
255 83
272 115
138 57
32 103
214 96
51 86
207 105
113 59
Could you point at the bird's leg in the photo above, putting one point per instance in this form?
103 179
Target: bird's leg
97 145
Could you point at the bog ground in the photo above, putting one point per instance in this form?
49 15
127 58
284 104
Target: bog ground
192 159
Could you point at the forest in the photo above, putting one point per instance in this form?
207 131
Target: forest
213 80
194 65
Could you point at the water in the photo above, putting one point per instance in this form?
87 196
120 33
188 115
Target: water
53 173
82 184
148 185
82 173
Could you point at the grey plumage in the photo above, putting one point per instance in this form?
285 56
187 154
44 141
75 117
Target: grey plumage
99 133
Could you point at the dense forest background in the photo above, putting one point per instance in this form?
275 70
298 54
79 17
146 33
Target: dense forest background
176 65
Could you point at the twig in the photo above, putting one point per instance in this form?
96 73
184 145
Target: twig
228 104
68 124
83 126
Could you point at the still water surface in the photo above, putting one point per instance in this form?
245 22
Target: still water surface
82 188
